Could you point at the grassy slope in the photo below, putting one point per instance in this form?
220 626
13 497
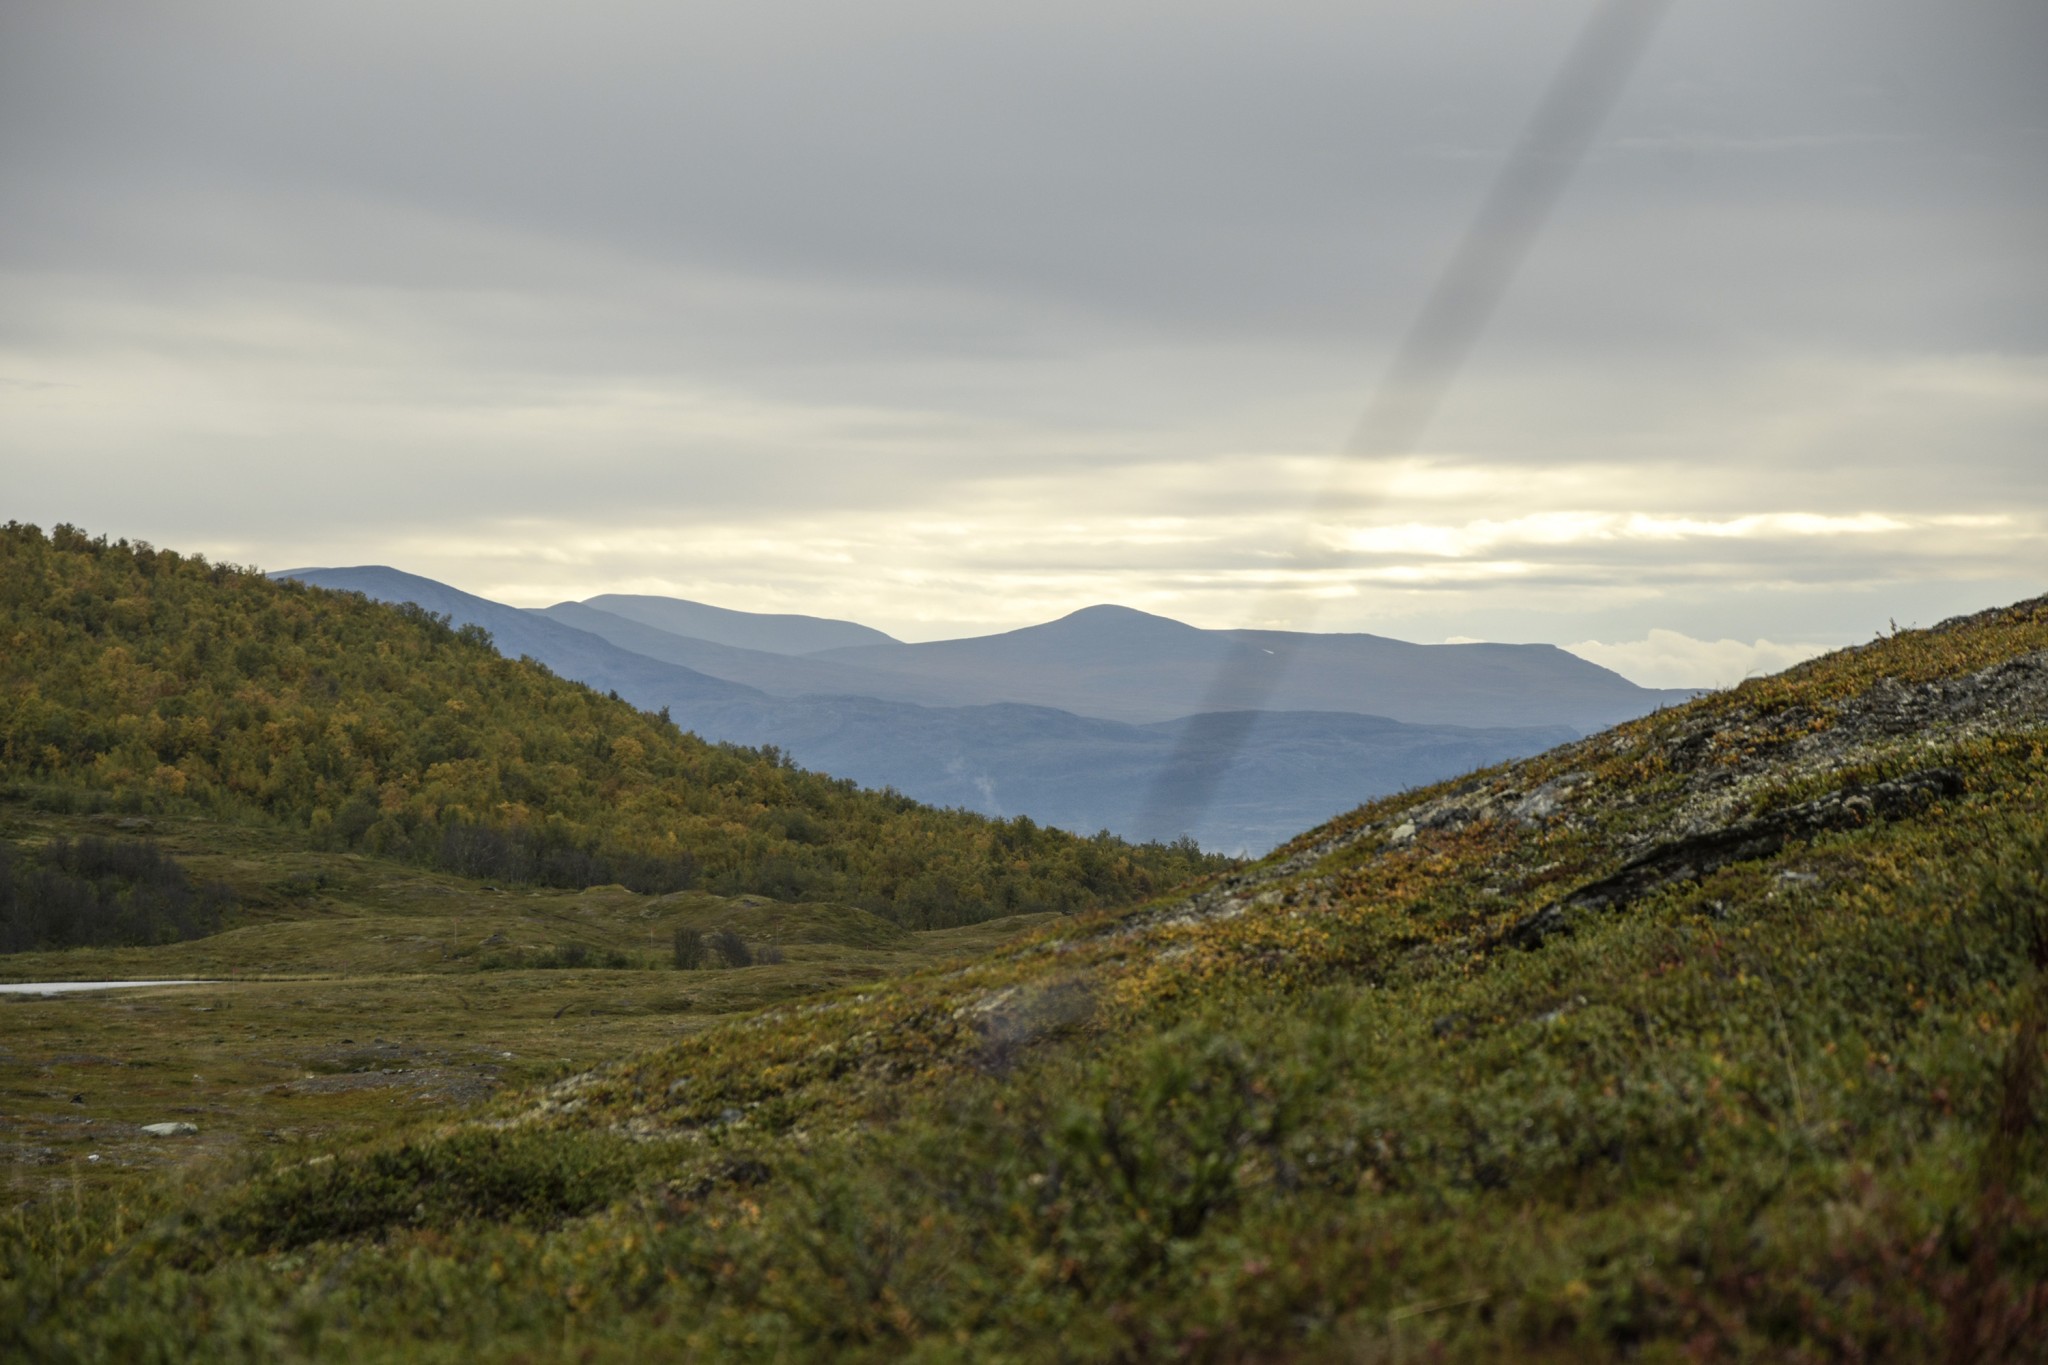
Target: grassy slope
359 995
1411 1089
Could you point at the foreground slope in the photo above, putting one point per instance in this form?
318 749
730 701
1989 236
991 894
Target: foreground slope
1717 1036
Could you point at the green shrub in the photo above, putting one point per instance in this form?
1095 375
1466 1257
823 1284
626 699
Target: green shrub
518 1175
731 948
565 957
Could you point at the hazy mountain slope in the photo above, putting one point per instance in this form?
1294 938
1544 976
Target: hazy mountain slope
772 632
1720 1036
779 675
1084 774
1129 665
568 651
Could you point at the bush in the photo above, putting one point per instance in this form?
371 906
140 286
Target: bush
689 950
731 948
525 1177
567 957
101 892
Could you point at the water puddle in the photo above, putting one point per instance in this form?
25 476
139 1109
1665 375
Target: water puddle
68 987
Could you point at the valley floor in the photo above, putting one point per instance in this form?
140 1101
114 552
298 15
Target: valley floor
355 997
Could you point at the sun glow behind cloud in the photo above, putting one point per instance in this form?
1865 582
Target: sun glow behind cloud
1595 528
1020 553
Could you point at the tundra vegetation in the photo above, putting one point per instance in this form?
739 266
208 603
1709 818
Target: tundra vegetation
1718 1035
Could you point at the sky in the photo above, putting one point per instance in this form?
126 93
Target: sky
952 319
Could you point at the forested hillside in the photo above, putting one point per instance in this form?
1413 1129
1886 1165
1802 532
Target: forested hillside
143 680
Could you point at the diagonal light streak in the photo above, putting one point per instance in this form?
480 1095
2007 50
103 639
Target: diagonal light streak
1434 349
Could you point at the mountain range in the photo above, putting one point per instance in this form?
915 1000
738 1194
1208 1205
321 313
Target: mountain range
1079 722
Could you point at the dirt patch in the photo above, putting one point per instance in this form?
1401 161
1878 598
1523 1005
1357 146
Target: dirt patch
439 1084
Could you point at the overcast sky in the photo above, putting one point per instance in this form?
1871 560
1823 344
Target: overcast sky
951 318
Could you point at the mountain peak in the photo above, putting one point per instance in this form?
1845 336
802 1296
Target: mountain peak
1110 616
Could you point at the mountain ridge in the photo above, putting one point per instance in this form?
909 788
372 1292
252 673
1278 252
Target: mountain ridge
1119 663
572 652
1076 771
773 632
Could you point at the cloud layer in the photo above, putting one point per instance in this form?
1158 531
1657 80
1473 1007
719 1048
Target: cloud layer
1666 658
949 319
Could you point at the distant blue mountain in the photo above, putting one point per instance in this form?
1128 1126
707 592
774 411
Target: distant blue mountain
781 675
570 652
1121 664
1114 663
1292 770
771 633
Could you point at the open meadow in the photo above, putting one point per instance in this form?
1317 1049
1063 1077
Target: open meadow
351 996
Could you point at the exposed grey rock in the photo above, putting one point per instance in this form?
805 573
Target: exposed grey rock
170 1129
1694 856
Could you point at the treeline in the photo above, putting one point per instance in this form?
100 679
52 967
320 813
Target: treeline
98 893
551 857
152 680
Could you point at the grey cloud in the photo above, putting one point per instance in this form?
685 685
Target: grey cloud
466 265
1227 166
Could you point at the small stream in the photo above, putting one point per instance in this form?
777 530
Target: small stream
68 987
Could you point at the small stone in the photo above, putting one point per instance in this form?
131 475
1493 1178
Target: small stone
170 1129
1403 832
